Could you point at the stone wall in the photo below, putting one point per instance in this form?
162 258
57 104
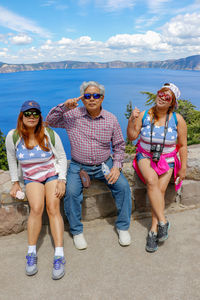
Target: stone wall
98 201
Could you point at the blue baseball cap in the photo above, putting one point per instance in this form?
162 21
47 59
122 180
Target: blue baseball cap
30 104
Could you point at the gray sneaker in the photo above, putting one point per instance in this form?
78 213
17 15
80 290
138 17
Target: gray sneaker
31 265
152 242
58 267
163 231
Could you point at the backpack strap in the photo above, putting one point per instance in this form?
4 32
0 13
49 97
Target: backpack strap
145 114
15 137
49 130
52 135
175 118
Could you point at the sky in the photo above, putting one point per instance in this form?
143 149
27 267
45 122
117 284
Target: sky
98 30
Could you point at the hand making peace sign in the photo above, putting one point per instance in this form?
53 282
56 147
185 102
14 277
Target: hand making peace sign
72 103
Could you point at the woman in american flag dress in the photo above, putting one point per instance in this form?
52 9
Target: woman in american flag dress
163 133
38 153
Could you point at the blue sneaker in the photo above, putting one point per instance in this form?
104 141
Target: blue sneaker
31 265
58 267
163 231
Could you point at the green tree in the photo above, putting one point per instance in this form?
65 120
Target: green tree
3 157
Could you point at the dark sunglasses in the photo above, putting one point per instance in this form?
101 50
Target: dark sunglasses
95 96
29 113
164 96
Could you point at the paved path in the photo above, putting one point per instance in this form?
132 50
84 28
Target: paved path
107 271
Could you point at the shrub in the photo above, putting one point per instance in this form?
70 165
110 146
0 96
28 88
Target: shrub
3 157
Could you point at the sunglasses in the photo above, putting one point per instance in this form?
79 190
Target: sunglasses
164 96
29 113
95 96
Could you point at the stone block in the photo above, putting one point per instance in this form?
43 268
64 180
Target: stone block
13 219
190 194
193 165
140 200
170 195
97 202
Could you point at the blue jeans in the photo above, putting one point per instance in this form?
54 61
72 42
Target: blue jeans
74 196
26 181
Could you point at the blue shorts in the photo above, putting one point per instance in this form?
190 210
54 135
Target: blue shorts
139 156
26 181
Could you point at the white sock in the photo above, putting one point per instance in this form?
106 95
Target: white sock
31 249
59 251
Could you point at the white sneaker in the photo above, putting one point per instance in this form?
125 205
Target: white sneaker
79 241
124 237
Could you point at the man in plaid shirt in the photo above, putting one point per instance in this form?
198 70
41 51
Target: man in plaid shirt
92 131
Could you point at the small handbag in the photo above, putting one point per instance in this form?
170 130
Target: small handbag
85 178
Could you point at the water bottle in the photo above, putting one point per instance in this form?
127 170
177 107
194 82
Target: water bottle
105 169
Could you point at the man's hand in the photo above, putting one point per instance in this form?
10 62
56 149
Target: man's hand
60 189
135 114
72 103
16 187
113 175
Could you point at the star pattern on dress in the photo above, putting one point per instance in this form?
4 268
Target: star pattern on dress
169 129
37 148
32 154
43 155
21 155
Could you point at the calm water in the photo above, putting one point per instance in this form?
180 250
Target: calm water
52 87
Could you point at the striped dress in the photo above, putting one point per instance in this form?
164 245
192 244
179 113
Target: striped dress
158 136
36 164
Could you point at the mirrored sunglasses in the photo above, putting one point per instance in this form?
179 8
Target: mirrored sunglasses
95 96
29 113
164 96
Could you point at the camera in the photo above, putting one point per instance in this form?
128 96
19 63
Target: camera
156 150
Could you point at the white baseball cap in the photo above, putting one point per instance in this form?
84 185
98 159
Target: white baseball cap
174 89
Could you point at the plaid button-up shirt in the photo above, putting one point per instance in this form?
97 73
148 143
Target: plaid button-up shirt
90 139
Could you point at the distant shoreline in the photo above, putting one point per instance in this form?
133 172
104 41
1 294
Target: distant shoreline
191 63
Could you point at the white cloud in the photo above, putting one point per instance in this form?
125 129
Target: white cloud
143 21
156 6
3 52
179 37
64 41
149 40
17 23
115 5
195 6
183 26
110 5
21 39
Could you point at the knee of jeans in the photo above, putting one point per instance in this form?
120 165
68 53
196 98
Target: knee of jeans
123 183
73 190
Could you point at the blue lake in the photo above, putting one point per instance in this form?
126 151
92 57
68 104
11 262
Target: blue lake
52 87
